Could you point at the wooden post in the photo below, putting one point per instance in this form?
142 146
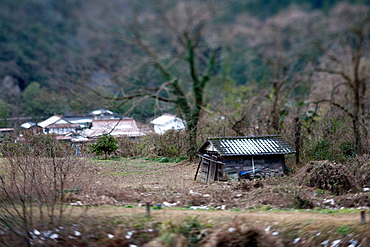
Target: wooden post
209 166
147 209
195 178
253 165
215 172
363 216
298 139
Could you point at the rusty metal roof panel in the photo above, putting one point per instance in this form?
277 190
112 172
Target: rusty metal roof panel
257 145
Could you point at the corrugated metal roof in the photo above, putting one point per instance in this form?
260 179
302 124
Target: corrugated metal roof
257 145
63 125
115 127
54 120
28 125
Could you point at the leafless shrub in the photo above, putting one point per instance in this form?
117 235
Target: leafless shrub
171 144
361 170
127 147
211 125
37 173
364 174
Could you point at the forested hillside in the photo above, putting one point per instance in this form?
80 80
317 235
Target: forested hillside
297 68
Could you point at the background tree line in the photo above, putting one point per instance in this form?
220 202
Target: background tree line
296 68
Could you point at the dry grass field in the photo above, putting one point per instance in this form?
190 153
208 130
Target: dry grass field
136 181
305 216
107 208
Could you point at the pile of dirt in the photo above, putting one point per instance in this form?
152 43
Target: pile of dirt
332 177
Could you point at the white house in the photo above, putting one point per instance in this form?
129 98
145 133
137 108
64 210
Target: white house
57 125
102 114
167 122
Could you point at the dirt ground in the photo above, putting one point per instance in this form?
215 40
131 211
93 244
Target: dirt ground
136 181
108 198
171 187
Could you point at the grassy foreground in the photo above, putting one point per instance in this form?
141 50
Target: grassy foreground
130 226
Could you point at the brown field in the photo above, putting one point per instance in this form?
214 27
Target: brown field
111 195
136 181
273 203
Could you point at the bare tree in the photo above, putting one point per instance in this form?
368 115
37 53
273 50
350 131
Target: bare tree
282 43
346 49
178 59
35 174
276 51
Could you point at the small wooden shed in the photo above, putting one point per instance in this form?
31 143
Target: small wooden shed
232 158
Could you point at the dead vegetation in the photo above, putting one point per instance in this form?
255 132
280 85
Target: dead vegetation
240 212
136 181
326 175
361 170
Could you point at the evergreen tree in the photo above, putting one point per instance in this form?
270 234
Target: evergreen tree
106 145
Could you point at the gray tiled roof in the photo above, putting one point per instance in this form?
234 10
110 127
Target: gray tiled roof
258 145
